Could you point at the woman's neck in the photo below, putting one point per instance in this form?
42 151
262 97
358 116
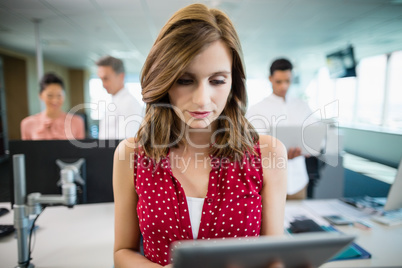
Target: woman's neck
199 140
52 114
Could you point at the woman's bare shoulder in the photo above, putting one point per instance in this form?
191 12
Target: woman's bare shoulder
271 145
126 148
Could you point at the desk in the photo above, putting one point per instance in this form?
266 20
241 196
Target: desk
383 242
83 237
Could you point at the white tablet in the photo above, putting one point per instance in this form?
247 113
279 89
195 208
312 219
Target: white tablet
299 250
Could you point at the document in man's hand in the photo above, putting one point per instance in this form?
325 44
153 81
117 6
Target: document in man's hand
310 139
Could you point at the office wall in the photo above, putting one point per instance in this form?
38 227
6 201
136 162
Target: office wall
34 103
15 85
357 184
385 148
76 78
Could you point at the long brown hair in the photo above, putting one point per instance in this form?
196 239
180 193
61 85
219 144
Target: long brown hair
186 34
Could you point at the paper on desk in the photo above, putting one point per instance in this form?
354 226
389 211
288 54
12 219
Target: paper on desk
335 207
297 212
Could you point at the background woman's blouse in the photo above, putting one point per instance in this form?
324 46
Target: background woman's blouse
41 127
232 207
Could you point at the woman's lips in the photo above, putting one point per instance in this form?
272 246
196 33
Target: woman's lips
199 115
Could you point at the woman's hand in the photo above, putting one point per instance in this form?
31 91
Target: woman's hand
279 264
273 264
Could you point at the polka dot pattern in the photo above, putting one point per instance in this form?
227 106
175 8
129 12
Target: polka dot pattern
232 207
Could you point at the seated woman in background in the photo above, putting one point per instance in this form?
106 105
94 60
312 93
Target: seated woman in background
52 123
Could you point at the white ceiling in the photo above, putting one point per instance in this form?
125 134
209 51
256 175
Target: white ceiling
75 33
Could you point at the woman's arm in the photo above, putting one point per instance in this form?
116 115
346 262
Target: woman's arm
127 232
274 164
78 127
24 129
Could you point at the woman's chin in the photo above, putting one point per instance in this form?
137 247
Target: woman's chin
199 125
54 109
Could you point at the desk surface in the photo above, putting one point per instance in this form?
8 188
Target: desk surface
383 242
83 237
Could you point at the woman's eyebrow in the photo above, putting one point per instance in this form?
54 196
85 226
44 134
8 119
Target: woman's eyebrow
212 74
221 73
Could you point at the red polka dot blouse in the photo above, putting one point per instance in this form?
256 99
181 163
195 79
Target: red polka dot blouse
232 207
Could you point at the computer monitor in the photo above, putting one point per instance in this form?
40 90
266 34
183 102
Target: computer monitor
394 198
342 63
42 172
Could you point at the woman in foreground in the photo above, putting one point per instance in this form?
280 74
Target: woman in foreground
197 169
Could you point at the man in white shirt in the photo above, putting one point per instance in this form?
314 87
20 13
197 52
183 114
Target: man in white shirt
124 113
278 109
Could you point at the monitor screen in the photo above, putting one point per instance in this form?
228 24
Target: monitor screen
342 63
43 173
394 199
